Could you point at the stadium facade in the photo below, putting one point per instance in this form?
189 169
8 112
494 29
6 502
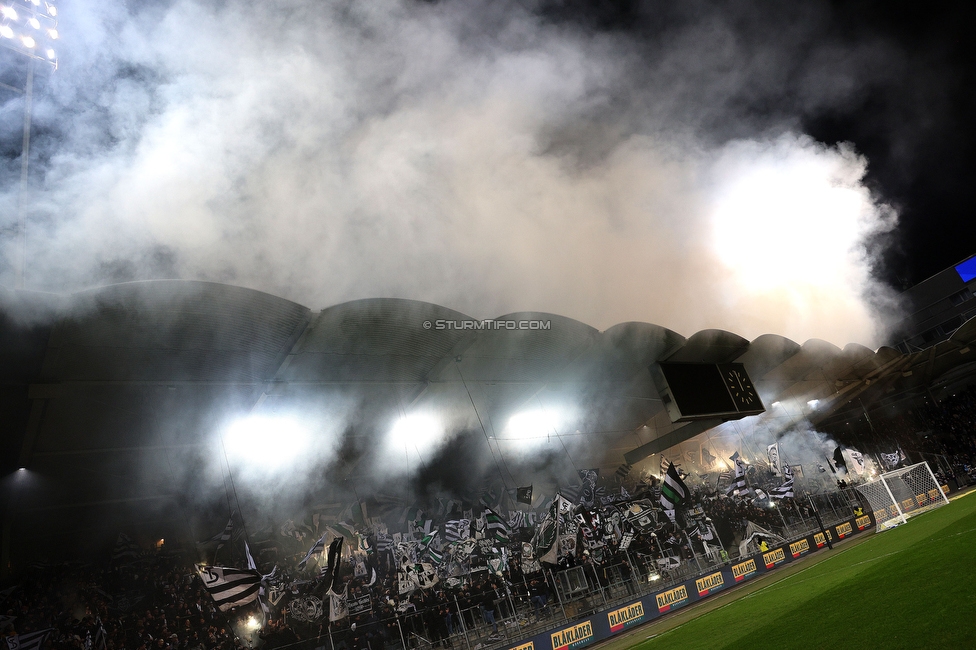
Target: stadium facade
111 396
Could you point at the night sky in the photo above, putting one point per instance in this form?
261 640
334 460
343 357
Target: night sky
553 156
914 121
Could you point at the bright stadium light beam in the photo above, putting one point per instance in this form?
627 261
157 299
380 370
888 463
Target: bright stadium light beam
420 432
531 428
534 428
268 443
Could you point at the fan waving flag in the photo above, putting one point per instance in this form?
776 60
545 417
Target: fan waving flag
318 547
29 641
673 490
785 491
230 587
524 495
738 485
496 526
457 530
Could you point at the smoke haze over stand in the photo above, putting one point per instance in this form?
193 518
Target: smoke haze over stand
483 159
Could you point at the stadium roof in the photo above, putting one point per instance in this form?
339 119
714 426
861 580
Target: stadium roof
110 394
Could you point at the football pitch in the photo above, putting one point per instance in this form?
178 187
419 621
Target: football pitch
912 586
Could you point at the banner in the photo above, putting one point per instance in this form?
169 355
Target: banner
772 454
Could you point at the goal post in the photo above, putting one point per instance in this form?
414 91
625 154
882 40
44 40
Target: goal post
902 493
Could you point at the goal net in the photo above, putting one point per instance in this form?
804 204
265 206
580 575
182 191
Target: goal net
902 493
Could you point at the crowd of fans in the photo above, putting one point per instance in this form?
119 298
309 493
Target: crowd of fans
158 602
940 433
154 604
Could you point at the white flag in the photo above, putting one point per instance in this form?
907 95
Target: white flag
855 460
772 453
338 605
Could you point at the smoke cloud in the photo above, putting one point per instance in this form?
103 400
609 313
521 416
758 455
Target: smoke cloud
485 159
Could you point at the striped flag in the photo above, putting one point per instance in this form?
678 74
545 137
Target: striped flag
29 641
224 536
435 558
738 484
317 547
457 530
100 635
624 470
497 529
785 491
124 548
516 519
384 542
230 587
343 529
673 489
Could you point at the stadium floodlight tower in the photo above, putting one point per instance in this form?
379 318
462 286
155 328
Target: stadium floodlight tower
29 28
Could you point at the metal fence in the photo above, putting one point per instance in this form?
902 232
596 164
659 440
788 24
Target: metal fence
581 590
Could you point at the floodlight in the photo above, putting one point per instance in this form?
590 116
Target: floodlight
53 33
6 32
266 442
35 23
52 10
419 430
530 425
37 3
813 403
8 12
51 54
28 41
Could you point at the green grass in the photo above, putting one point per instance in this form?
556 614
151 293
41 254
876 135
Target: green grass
910 587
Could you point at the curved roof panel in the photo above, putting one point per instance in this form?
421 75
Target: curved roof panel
173 330
710 346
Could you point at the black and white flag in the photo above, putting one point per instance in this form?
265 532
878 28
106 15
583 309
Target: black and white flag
383 542
497 529
230 587
338 604
785 491
673 489
772 455
738 485
891 460
101 637
317 547
124 548
457 530
516 519
29 641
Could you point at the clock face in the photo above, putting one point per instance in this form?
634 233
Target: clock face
741 389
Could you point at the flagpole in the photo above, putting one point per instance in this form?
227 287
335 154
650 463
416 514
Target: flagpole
233 486
823 531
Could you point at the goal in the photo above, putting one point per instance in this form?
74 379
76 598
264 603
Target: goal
897 495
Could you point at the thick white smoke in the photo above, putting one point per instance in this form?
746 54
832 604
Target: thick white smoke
488 162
